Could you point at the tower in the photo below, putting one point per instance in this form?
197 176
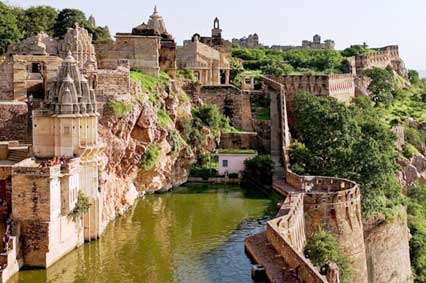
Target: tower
216 31
157 23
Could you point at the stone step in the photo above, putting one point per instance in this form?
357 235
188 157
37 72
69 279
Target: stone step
17 154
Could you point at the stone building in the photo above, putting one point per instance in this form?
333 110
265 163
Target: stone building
215 40
307 44
209 65
251 41
149 48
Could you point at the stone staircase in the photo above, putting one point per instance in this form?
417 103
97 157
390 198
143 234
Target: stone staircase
17 154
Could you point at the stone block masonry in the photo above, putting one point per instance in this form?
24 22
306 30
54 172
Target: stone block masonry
14 121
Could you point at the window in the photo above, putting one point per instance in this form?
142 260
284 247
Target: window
224 163
67 131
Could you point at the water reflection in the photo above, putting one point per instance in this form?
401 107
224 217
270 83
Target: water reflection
194 234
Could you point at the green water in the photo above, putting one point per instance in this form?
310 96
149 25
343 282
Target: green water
194 234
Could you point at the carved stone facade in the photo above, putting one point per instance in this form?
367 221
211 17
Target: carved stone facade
209 65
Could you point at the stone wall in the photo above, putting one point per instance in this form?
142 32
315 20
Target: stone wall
6 78
339 86
287 235
231 101
14 121
143 53
382 58
243 140
388 251
113 83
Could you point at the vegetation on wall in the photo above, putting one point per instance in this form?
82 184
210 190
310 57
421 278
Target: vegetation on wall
119 108
322 249
81 207
150 157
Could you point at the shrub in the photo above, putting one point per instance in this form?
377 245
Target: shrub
233 175
260 167
150 157
119 108
81 207
382 85
163 118
409 151
414 137
186 74
203 172
322 249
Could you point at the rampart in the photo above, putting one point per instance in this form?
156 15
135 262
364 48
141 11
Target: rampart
339 86
381 58
287 235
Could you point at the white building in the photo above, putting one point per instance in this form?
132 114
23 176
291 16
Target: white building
233 161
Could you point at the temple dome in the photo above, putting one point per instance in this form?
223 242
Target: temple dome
157 23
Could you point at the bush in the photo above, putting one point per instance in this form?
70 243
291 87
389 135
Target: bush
203 172
233 175
322 249
417 225
163 118
150 157
382 85
186 74
120 108
81 207
414 137
260 167
409 151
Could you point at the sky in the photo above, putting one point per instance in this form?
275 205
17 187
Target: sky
282 22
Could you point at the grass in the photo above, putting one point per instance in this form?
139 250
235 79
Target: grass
120 108
150 84
163 119
237 151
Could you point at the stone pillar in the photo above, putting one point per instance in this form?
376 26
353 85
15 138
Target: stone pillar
228 72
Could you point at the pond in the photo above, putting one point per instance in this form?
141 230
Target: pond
194 234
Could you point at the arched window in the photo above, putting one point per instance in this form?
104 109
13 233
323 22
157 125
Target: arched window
216 23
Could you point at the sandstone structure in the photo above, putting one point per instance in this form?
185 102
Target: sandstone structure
209 65
251 41
148 48
215 40
307 44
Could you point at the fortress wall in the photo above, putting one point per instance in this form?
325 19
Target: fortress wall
381 59
14 121
113 82
6 81
335 205
143 53
388 251
339 86
232 102
287 235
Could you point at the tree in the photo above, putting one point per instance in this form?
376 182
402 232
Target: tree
100 34
414 76
9 32
382 85
38 19
322 249
349 142
356 50
67 18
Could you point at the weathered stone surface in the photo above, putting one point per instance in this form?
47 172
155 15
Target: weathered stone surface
387 248
14 121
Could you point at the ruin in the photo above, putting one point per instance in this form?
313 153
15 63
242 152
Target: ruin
209 65
251 41
215 40
148 48
307 44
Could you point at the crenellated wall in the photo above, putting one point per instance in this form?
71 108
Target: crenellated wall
339 86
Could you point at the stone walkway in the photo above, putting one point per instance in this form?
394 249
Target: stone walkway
261 251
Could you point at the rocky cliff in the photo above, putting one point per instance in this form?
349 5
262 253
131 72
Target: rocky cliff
146 147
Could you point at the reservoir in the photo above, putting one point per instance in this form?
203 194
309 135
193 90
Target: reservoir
193 234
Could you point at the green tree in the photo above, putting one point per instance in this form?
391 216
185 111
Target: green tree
67 18
322 249
37 19
9 32
382 85
356 50
414 77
